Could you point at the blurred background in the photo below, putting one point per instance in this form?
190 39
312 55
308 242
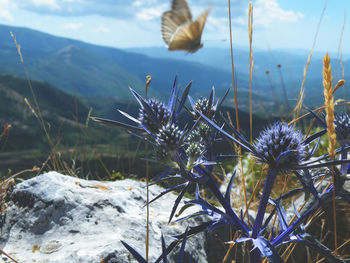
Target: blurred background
81 55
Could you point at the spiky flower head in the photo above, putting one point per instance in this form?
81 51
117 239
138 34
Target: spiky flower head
160 111
280 146
202 132
194 150
203 106
342 127
162 154
169 136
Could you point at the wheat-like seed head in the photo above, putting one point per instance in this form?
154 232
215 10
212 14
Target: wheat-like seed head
329 103
340 83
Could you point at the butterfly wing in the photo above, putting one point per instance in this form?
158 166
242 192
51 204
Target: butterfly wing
171 21
179 15
188 37
181 6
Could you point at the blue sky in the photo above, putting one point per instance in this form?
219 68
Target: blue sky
136 23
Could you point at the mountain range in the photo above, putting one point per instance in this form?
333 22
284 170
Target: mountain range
90 70
285 68
69 77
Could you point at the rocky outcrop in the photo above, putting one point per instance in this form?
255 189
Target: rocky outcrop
58 218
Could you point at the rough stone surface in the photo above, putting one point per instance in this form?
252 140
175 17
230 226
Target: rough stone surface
58 218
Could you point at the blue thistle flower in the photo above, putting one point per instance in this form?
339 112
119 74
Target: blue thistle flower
202 132
161 154
170 137
206 106
153 114
280 146
342 128
194 151
161 113
203 106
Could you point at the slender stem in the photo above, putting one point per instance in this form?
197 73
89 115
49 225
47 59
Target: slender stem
147 200
334 214
235 95
233 67
279 239
344 156
251 63
237 222
270 179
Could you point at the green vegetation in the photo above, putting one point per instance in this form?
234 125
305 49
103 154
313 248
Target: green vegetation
65 118
91 70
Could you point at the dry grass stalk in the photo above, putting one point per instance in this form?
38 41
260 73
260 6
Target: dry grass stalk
88 118
148 82
236 102
340 50
339 84
4 135
239 150
329 104
315 111
8 256
37 113
329 107
233 68
297 108
251 64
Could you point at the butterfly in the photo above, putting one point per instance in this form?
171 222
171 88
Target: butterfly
179 32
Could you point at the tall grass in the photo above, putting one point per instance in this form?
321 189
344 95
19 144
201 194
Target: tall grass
297 108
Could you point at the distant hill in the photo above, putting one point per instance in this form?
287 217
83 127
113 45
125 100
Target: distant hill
64 117
292 61
91 70
61 114
290 73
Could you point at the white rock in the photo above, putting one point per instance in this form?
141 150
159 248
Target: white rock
58 218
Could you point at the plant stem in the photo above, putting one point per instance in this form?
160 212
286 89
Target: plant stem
280 238
270 179
237 222
343 167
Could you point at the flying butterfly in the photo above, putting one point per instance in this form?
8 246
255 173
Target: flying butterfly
179 32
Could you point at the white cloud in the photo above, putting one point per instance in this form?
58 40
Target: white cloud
5 13
149 13
137 3
52 4
103 29
266 12
73 26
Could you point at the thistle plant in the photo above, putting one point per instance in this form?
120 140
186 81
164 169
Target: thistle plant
160 115
342 131
342 128
191 152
